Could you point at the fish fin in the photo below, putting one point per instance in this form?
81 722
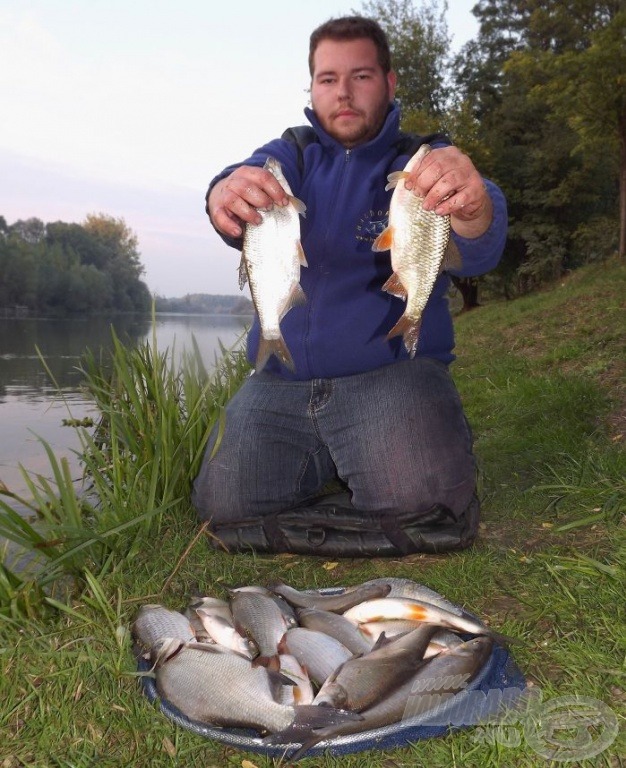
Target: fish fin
384 241
409 330
282 644
381 640
395 288
394 178
452 259
301 256
269 347
297 298
243 272
298 205
311 724
271 663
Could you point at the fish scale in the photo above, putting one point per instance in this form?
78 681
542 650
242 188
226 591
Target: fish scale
270 261
421 249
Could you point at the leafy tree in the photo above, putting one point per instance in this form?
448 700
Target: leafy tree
523 82
78 239
587 90
61 267
419 43
29 230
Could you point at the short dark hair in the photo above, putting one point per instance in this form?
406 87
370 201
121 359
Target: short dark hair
352 28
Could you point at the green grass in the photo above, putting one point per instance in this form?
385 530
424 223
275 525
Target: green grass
543 379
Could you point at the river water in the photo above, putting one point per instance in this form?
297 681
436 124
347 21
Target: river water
35 401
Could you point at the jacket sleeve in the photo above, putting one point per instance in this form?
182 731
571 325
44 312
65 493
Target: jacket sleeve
481 254
283 151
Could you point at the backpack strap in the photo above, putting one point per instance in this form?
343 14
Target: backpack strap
406 144
301 136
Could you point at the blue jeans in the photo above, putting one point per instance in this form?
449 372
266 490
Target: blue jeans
397 436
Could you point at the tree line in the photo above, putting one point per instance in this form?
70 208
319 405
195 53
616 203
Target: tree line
538 101
62 269
205 304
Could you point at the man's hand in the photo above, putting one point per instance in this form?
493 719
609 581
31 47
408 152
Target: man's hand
450 184
234 200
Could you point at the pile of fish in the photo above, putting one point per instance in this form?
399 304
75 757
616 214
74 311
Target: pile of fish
304 667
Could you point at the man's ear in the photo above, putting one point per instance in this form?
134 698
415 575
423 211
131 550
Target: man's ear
392 80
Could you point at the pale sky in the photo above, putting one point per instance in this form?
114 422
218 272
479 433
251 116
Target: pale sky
130 107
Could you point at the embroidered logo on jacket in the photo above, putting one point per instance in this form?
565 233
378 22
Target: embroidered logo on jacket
371 224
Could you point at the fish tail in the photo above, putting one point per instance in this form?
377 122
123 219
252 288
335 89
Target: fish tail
311 724
409 330
269 347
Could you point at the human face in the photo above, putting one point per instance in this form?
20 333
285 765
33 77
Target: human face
350 92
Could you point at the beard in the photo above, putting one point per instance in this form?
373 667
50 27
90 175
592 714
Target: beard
360 131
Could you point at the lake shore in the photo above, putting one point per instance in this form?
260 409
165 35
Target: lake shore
543 384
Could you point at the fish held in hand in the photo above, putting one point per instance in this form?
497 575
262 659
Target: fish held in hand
421 249
270 261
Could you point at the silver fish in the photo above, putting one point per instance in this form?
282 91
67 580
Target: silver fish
212 605
421 249
414 590
316 651
419 610
442 639
218 688
337 626
223 688
154 622
336 602
270 261
257 616
301 692
446 674
362 681
286 609
223 632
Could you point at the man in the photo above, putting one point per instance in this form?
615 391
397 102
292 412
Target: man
357 410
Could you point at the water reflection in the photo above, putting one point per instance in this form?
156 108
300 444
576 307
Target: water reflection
24 343
34 402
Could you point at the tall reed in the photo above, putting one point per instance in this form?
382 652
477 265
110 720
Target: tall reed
154 419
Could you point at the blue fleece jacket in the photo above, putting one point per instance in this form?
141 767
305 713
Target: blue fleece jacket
342 327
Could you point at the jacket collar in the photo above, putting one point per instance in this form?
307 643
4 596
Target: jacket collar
386 136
